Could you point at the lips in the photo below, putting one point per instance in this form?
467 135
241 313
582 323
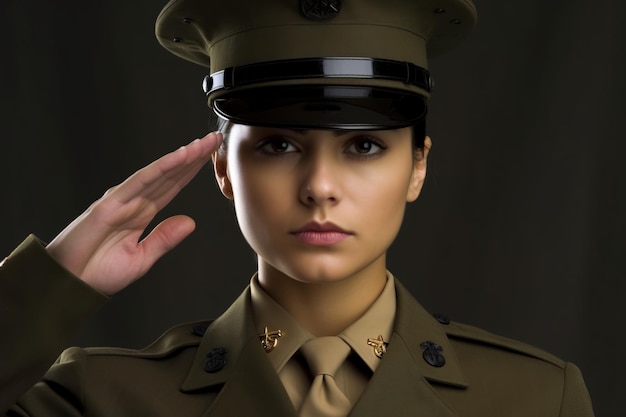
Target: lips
321 227
321 234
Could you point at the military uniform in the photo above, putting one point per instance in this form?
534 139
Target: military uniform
433 367
303 64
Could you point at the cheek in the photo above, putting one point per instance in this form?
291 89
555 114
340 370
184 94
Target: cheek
384 188
260 199
380 199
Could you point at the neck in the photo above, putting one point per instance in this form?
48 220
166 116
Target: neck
325 308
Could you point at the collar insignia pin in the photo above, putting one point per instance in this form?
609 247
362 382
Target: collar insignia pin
216 360
432 354
379 345
269 339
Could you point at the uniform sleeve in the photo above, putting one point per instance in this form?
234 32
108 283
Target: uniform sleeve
41 307
576 400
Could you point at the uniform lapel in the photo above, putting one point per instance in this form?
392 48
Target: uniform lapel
249 384
401 385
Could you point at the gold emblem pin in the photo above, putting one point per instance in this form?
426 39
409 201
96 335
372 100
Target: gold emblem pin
379 345
269 339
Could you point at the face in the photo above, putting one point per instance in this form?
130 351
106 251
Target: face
319 206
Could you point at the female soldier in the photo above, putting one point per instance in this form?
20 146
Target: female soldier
323 148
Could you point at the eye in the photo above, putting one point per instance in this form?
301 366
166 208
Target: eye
275 146
364 146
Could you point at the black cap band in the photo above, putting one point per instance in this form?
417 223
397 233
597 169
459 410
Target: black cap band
310 68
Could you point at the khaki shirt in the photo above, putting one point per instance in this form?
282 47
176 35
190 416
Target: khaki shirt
352 377
219 368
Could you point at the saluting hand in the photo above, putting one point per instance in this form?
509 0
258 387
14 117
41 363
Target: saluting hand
102 245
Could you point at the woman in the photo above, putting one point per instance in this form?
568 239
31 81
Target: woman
319 161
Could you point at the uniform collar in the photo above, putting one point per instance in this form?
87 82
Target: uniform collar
377 321
231 359
401 386
234 333
397 387
414 326
267 312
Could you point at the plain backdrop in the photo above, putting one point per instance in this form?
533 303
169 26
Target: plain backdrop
520 228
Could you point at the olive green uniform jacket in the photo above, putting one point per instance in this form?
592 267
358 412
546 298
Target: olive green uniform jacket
220 369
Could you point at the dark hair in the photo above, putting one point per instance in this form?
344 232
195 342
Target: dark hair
419 131
419 134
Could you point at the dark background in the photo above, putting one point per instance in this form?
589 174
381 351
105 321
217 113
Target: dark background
520 227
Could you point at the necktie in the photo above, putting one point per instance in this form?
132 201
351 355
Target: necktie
324 356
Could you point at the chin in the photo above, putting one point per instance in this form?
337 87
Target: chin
316 274
321 270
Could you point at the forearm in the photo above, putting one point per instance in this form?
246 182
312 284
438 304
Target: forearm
41 306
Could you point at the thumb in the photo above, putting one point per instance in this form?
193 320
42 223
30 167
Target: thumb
164 237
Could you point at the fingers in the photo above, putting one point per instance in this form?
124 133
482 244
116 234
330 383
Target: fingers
126 209
197 150
172 171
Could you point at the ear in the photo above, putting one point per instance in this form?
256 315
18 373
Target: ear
220 164
419 171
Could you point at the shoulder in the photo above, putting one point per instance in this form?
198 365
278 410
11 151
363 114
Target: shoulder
119 379
96 369
514 375
465 335
180 337
475 349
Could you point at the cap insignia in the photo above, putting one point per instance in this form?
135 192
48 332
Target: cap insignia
320 9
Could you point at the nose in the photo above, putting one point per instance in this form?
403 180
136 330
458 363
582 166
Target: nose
320 181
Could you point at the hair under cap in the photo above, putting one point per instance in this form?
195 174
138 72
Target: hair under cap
351 64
